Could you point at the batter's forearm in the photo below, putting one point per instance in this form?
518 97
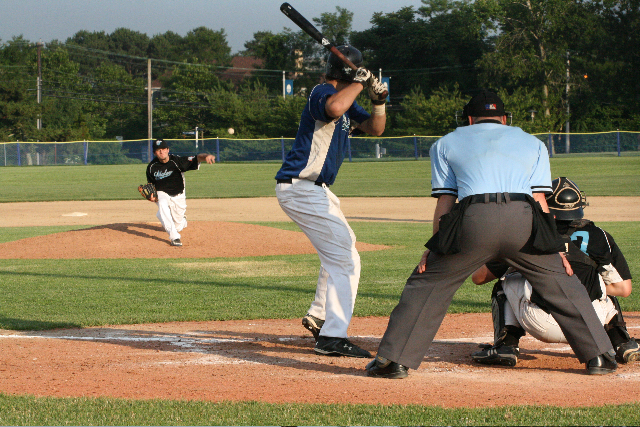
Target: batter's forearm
375 124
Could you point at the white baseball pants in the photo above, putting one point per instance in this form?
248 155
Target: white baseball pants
541 325
171 211
317 212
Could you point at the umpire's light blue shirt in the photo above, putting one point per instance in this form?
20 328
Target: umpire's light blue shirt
489 158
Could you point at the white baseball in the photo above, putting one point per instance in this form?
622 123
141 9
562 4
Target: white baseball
231 131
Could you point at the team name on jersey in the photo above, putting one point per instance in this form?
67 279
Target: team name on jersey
162 175
346 123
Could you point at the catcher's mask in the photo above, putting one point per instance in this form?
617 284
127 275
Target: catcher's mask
338 70
566 201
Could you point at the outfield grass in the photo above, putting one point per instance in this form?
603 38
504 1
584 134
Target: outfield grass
597 176
28 410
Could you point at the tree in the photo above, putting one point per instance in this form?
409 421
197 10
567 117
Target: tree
531 46
336 26
435 46
293 52
206 46
166 46
18 109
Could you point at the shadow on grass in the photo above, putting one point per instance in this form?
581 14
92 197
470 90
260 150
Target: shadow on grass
32 325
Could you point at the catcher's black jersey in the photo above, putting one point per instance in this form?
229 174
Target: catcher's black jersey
594 242
169 177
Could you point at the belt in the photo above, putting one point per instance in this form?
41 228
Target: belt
290 181
498 197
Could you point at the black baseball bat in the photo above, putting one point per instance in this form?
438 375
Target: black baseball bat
308 28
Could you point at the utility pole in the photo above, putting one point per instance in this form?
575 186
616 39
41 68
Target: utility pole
39 89
567 143
149 106
284 80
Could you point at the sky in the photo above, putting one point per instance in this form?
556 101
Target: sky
47 20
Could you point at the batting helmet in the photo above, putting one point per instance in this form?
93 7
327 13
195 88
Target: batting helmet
566 201
338 70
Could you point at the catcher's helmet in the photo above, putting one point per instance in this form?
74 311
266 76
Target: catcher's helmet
566 201
338 70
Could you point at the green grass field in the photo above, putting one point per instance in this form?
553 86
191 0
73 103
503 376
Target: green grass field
597 176
45 294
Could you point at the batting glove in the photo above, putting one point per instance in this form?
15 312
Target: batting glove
377 91
363 76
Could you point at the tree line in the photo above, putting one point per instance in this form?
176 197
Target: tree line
552 61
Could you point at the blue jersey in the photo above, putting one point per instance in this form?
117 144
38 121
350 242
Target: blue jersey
489 158
321 141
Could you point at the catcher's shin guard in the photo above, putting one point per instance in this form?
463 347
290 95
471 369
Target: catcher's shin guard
503 333
498 301
627 349
617 327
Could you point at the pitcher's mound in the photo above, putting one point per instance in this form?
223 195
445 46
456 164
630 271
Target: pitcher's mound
201 239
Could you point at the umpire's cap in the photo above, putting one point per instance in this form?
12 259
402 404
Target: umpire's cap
484 104
566 202
338 70
159 144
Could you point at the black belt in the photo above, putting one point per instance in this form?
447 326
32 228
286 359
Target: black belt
290 181
498 197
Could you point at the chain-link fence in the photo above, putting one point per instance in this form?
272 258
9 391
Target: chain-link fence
274 149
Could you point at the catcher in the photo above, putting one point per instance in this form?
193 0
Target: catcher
597 261
166 187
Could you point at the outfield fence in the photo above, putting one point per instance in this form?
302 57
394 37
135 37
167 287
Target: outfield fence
617 143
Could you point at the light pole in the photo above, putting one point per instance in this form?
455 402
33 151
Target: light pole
39 89
567 144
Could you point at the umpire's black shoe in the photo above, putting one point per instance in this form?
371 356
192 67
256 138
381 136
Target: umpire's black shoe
505 355
330 346
602 365
385 368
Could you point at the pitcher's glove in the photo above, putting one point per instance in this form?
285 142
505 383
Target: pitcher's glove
148 191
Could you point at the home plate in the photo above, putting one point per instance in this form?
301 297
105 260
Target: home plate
75 214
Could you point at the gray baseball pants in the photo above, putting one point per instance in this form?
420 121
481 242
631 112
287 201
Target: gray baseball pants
490 231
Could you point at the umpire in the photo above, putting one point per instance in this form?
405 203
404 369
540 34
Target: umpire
500 175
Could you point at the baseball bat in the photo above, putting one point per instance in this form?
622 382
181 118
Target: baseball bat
308 28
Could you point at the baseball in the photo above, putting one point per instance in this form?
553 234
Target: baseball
231 131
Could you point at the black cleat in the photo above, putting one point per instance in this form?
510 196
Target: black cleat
313 324
329 346
628 352
602 365
385 368
505 355
176 242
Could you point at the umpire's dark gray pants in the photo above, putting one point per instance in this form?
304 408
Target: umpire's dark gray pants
490 231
